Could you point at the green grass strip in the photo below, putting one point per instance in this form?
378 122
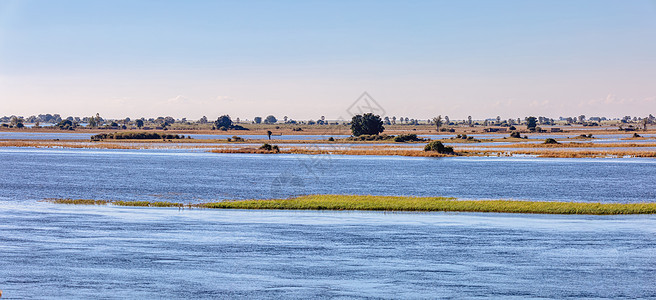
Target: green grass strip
393 203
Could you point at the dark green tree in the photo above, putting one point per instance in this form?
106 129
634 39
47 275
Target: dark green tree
270 119
223 122
257 120
139 123
366 124
531 123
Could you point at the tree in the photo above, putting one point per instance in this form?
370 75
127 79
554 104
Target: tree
139 123
269 133
257 120
531 123
438 122
203 120
223 122
366 124
446 120
92 122
498 120
469 120
270 119
393 120
285 118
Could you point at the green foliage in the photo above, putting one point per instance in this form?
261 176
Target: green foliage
223 122
531 123
271 148
402 138
366 124
438 147
551 141
515 134
66 125
257 120
270 119
139 123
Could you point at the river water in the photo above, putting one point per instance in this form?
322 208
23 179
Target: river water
80 252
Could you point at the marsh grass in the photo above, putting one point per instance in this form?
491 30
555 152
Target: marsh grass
395 203
117 203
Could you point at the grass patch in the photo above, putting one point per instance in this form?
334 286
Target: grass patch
395 203
117 203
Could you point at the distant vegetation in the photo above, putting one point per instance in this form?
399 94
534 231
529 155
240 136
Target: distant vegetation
551 141
136 136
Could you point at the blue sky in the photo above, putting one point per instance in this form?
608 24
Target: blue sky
305 59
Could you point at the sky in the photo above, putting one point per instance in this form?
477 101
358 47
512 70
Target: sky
306 59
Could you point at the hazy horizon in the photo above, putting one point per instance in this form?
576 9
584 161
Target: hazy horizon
310 59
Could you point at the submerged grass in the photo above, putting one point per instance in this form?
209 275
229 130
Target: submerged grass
397 203
117 203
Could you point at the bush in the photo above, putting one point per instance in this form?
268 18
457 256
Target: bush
331 139
438 147
515 134
635 135
237 138
407 138
551 141
271 148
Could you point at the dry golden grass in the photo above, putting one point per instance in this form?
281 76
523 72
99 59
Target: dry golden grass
382 152
577 145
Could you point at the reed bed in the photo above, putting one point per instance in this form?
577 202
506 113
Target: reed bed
585 154
414 153
118 203
396 203
577 145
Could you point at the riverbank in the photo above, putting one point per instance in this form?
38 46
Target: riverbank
396 203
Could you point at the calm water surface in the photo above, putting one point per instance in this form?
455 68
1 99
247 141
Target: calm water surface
193 176
77 252
80 252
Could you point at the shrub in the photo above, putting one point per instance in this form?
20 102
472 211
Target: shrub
331 139
438 147
551 141
407 138
515 134
635 135
271 148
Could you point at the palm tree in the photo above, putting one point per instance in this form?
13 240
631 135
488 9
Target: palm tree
438 122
